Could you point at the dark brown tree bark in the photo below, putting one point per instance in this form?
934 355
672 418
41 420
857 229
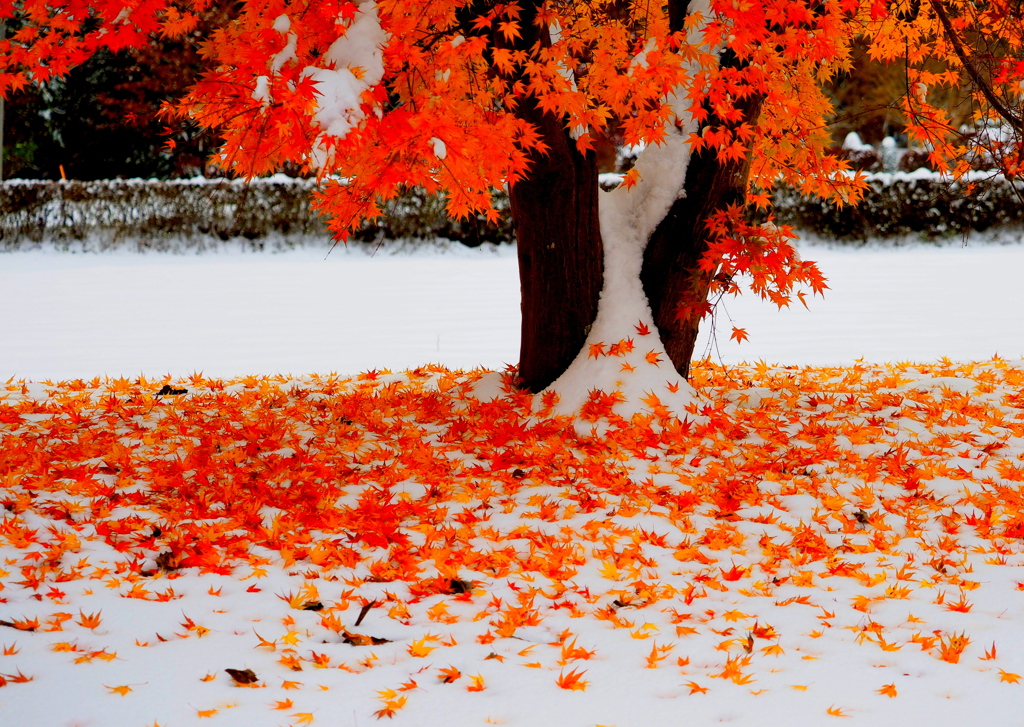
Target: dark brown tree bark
554 210
560 255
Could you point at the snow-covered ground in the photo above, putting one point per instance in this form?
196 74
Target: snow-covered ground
234 313
804 546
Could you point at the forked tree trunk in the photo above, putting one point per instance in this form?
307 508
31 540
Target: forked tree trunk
670 274
555 213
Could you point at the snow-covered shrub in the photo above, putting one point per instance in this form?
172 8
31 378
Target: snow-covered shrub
109 212
276 212
862 157
891 154
201 212
914 159
899 203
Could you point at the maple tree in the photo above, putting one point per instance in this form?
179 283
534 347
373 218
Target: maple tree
463 97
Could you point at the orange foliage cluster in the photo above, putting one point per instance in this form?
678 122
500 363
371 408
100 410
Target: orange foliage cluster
454 72
403 480
456 77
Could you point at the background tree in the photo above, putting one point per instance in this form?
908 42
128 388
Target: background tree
964 64
463 97
101 120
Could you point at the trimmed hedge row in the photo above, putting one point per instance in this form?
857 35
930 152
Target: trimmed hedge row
901 203
112 211
161 214
158 214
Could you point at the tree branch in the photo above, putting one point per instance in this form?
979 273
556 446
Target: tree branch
980 83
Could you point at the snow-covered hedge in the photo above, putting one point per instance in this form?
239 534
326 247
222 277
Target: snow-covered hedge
162 214
901 203
200 212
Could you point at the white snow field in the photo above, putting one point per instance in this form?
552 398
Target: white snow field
232 313
821 546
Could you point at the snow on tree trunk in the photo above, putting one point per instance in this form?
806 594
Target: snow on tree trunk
671 274
624 356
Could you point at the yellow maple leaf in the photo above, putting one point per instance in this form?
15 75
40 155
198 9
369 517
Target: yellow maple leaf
735 615
420 649
291 638
644 632
1008 676
122 690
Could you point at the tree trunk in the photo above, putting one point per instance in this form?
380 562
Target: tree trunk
560 255
554 210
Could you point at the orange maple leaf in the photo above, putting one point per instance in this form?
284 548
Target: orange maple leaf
420 648
572 681
449 675
887 690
